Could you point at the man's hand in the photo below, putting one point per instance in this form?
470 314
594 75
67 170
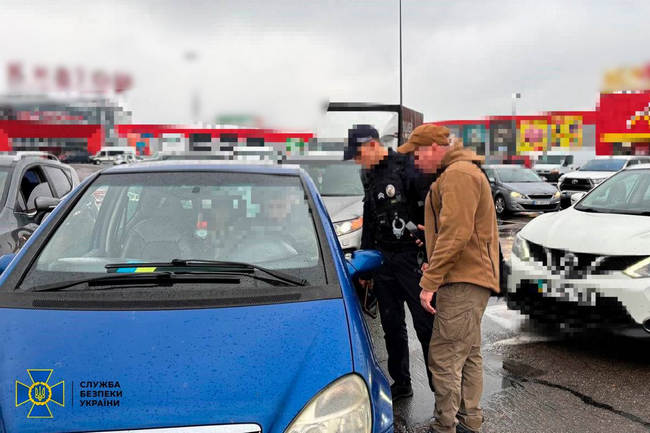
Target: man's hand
418 242
365 283
425 300
424 267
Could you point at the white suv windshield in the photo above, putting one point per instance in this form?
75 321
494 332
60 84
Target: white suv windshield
157 217
627 192
603 165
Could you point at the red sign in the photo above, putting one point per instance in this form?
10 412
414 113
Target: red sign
622 118
62 79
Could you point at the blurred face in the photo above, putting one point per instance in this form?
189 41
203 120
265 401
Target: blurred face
370 154
278 209
429 158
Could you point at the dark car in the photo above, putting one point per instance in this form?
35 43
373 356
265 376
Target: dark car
518 189
23 180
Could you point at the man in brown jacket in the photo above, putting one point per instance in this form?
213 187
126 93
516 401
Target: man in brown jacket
463 268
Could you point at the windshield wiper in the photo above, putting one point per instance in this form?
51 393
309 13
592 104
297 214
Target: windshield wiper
153 279
223 267
111 279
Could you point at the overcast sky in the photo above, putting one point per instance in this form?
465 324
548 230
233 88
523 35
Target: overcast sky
283 59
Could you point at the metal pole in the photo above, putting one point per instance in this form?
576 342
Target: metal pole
400 52
399 114
515 96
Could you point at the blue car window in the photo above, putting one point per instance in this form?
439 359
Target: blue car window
157 217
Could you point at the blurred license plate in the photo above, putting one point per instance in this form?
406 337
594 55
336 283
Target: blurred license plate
541 202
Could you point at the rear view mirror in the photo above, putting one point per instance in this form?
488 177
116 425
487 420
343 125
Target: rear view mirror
46 204
364 261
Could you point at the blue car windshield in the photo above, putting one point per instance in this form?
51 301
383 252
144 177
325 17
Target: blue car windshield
260 219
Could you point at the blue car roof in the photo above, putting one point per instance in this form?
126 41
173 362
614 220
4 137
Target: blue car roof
144 167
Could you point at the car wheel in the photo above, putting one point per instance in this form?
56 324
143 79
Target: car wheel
500 206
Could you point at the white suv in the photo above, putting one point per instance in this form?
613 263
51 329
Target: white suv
594 172
589 265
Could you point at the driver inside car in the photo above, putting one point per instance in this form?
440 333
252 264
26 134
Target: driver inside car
277 229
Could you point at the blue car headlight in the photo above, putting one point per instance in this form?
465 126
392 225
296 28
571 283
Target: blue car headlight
342 407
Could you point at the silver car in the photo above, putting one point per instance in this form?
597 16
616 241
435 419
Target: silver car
339 184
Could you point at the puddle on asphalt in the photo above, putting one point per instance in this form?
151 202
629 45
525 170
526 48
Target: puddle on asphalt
498 375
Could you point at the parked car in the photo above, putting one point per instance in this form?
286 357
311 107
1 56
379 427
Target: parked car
339 185
30 185
552 164
205 297
115 155
518 189
588 266
594 172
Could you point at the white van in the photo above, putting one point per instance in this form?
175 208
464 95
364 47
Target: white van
115 155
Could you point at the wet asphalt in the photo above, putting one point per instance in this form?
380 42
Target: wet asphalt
535 380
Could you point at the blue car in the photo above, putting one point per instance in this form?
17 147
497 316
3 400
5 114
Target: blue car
188 298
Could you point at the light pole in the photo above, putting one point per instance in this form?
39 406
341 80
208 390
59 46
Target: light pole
515 96
401 107
400 53
195 103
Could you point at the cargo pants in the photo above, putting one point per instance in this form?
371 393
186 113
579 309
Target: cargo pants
455 356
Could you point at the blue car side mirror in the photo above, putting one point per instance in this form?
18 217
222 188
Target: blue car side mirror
364 261
5 260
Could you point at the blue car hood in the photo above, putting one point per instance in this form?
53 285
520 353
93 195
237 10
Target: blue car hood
110 370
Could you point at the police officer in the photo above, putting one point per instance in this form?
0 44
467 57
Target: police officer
390 203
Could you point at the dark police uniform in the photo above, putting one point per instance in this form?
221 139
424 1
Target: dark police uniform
393 190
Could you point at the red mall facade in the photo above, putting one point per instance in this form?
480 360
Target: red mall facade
620 124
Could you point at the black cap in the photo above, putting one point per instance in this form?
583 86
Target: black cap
358 135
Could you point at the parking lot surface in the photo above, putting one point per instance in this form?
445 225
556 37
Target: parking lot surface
535 380
539 381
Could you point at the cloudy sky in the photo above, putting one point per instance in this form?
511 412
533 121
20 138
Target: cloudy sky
282 59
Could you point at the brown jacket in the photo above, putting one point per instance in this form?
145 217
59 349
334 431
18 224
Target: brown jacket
460 223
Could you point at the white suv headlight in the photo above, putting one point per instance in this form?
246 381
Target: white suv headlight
599 180
520 248
345 227
342 407
639 270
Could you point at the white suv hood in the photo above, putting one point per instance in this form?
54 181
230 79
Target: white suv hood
593 233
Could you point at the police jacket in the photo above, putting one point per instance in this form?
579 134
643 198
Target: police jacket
390 202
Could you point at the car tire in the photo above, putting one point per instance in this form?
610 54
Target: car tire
500 206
